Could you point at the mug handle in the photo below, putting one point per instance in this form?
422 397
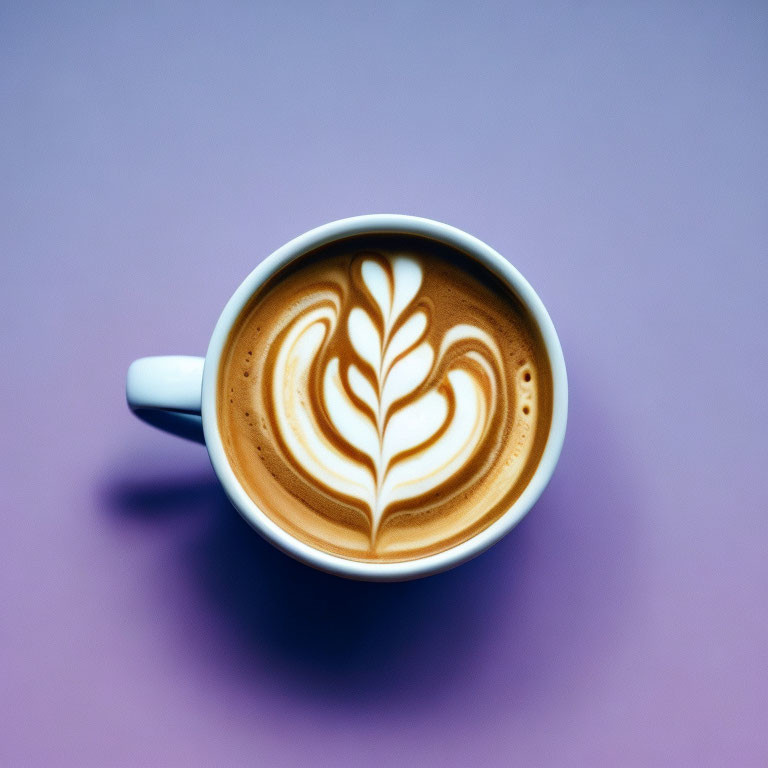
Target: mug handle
166 392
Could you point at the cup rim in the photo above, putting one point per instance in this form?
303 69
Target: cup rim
418 567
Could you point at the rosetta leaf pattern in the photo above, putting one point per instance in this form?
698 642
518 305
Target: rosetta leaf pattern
399 361
415 433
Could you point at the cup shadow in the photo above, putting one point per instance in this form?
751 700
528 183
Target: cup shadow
554 594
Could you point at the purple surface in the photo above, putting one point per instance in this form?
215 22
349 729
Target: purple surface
150 158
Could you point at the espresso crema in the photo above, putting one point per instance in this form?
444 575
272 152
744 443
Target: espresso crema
384 398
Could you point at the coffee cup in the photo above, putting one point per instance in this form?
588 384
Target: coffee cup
180 394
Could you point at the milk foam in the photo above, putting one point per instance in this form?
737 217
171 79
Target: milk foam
406 441
384 398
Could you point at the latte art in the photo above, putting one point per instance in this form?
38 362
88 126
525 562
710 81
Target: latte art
398 419
384 402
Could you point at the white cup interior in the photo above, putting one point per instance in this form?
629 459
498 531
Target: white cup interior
409 569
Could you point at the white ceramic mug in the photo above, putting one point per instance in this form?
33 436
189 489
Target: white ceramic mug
178 394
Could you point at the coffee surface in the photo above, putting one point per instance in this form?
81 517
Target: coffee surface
384 398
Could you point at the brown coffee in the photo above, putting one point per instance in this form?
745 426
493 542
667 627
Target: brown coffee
384 398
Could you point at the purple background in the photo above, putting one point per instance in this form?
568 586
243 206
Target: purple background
149 158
